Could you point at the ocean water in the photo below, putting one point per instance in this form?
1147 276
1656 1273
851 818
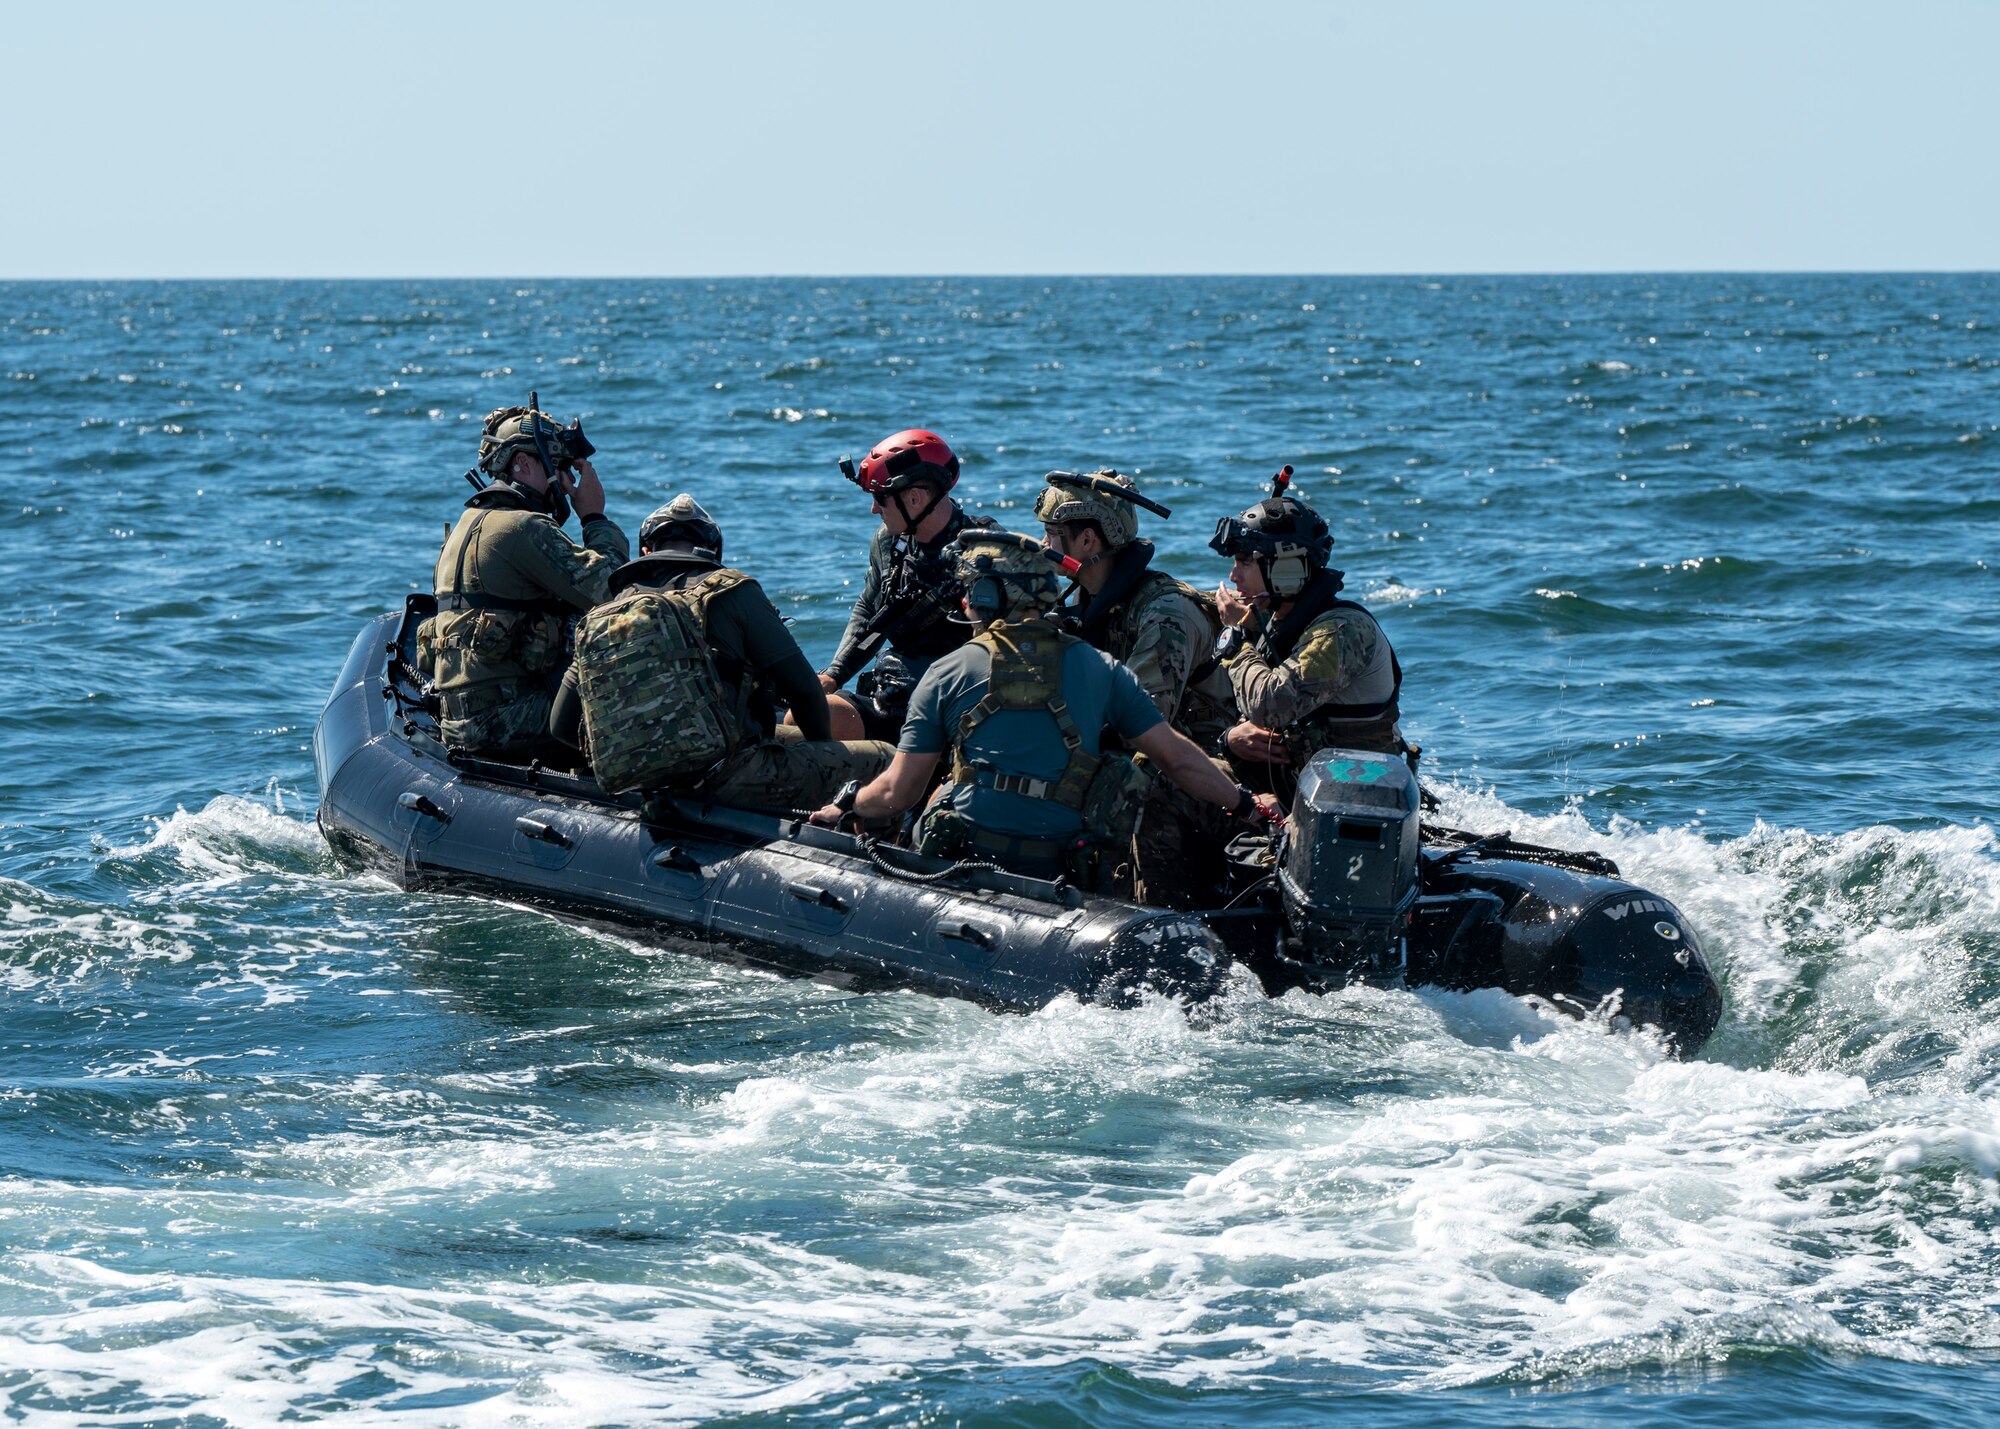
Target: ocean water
1697 570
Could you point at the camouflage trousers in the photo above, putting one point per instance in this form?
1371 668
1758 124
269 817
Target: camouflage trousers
495 721
795 773
1177 851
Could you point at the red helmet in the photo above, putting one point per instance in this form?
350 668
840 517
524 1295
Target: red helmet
898 462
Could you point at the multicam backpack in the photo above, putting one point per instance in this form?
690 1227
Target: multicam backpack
655 713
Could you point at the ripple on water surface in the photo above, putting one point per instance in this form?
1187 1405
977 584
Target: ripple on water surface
493 1142
282 1141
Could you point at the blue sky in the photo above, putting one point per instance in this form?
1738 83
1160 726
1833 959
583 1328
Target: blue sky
372 139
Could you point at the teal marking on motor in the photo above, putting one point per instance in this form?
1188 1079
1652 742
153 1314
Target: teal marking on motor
1354 771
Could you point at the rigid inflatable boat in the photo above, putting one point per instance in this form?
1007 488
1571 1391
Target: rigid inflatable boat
1354 889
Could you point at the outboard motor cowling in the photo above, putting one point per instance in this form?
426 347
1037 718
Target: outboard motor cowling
1348 872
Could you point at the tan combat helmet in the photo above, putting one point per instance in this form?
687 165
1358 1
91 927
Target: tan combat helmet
1005 573
508 430
1103 496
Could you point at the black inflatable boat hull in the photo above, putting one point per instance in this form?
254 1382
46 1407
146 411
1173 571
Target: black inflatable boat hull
776 893
722 882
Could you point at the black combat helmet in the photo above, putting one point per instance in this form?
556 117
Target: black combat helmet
682 524
1284 536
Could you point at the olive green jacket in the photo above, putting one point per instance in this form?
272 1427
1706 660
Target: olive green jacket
507 581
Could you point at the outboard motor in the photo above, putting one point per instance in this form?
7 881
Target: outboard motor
1348 870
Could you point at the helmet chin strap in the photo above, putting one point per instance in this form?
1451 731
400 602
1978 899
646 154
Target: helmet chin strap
551 497
910 523
1103 552
557 500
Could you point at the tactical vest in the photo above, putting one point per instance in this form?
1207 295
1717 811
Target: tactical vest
1027 661
1208 706
655 712
482 649
1121 631
1366 725
1105 791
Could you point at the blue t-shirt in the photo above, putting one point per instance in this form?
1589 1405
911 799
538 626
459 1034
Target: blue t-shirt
1101 694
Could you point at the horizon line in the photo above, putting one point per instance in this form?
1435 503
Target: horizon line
997 276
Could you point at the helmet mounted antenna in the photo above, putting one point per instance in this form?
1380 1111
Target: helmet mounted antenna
1067 503
1071 568
535 429
560 449
1105 486
986 562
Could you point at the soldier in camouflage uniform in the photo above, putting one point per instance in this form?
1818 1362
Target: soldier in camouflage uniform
1023 709
906 610
1160 629
1164 632
1319 673
508 580
753 662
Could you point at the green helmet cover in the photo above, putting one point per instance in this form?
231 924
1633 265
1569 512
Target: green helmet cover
1004 572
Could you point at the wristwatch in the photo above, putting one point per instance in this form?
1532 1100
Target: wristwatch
1246 805
849 792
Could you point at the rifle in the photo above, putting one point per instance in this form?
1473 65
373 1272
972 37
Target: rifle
909 594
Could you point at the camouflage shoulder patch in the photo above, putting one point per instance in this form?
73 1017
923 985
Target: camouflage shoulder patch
588 571
549 536
1167 599
1337 649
